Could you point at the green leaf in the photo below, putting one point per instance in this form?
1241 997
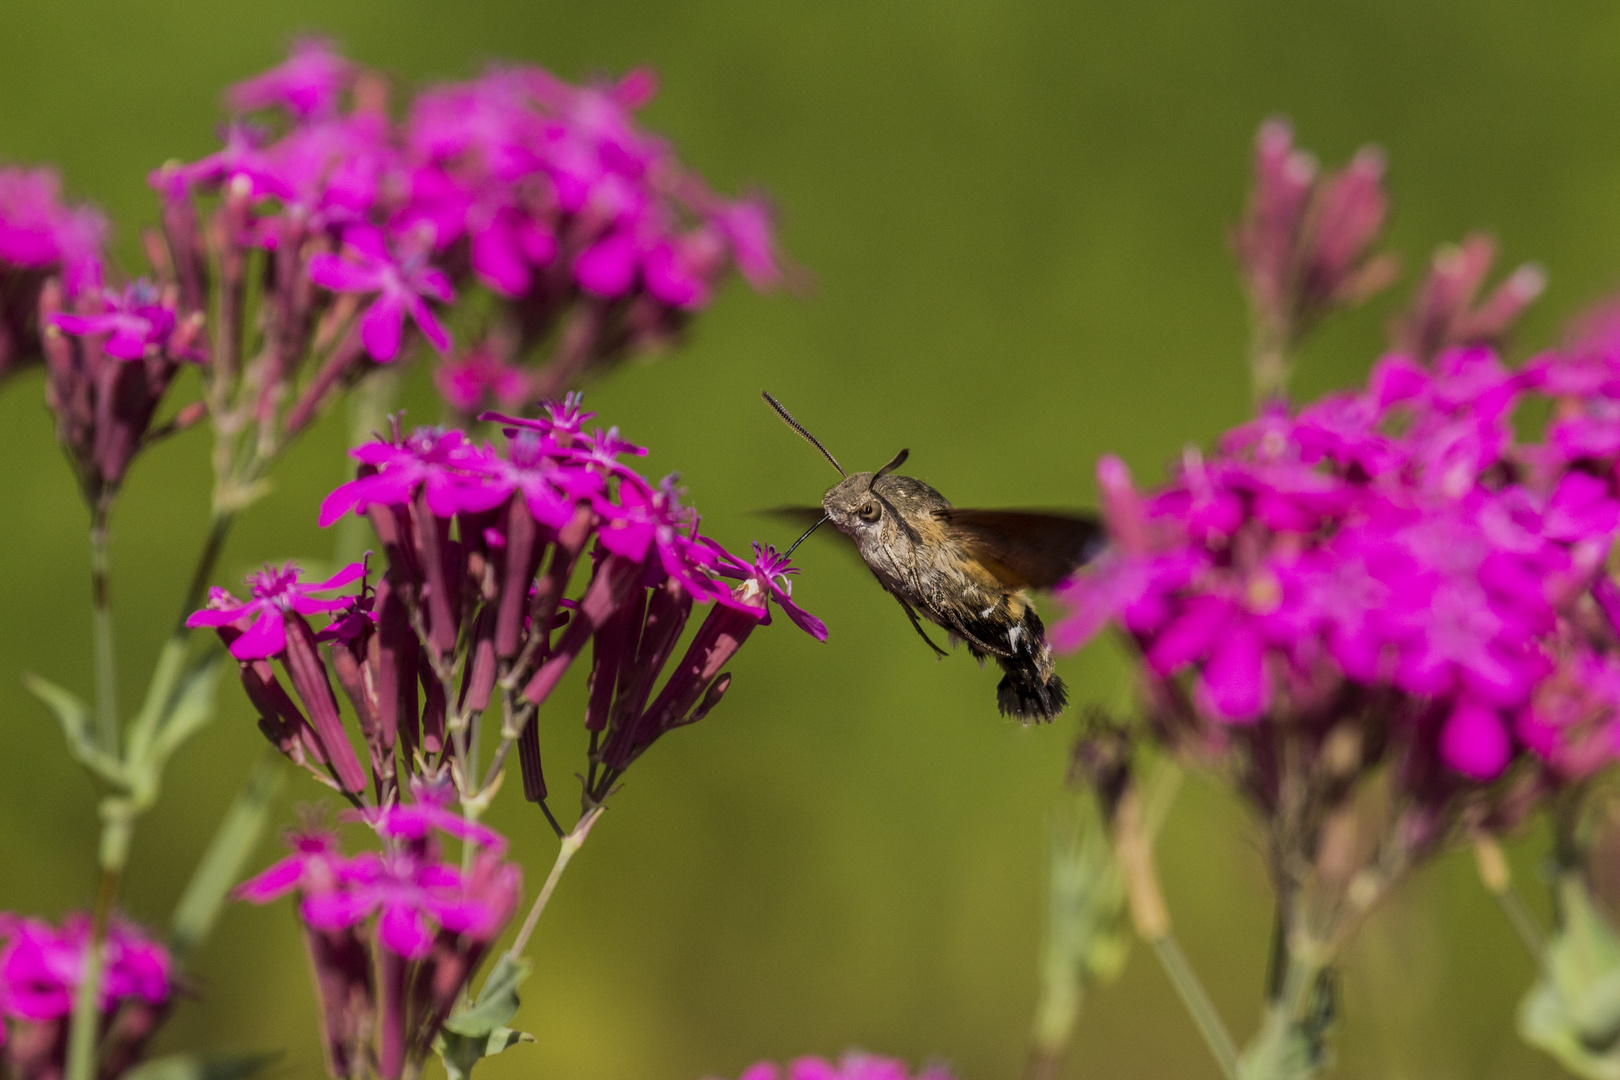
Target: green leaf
221 865
497 1002
1573 1012
225 1066
74 716
461 1052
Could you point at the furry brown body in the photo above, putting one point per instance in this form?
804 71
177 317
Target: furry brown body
923 554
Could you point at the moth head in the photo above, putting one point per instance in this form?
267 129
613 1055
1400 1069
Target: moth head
863 501
853 506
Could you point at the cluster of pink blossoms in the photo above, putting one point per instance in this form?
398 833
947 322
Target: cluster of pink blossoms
40 969
1393 551
545 193
481 544
394 935
40 237
589 239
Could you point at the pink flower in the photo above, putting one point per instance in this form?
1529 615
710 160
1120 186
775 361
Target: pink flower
413 893
417 820
275 592
763 580
479 377
400 278
452 472
40 967
306 84
38 230
853 1066
647 523
313 866
138 322
749 231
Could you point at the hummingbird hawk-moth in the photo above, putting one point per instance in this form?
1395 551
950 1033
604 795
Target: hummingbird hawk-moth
967 571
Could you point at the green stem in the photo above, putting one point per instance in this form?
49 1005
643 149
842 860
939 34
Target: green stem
102 618
1197 1002
171 660
565 851
1497 878
1524 924
1270 365
219 528
117 830
1289 1044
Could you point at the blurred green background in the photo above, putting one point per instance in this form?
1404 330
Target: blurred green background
1015 214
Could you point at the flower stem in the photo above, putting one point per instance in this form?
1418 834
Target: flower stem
1197 1002
102 618
1289 1044
172 659
1136 819
1498 881
219 527
571 843
117 830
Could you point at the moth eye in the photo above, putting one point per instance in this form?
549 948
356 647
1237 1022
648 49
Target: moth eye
870 512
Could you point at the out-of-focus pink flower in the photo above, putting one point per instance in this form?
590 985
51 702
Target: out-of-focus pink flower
400 278
41 967
480 377
138 321
854 1065
38 230
307 84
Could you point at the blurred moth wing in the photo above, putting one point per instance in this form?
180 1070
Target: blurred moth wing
1025 549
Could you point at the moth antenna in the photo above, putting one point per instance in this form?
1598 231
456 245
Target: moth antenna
806 536
894 463
787 418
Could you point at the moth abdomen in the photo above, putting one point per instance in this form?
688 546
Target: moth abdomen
1030 690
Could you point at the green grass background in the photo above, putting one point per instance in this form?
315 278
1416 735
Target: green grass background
1015 214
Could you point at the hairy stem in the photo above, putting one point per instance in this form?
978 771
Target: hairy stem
571 843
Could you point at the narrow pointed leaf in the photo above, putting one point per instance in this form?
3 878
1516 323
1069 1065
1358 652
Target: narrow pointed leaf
74 716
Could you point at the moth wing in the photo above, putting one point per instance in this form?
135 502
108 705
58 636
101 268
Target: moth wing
1026 549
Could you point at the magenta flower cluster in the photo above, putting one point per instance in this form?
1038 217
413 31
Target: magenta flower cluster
1398 543
481 543
396 935
544 193
852 1066
40 236
41 966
